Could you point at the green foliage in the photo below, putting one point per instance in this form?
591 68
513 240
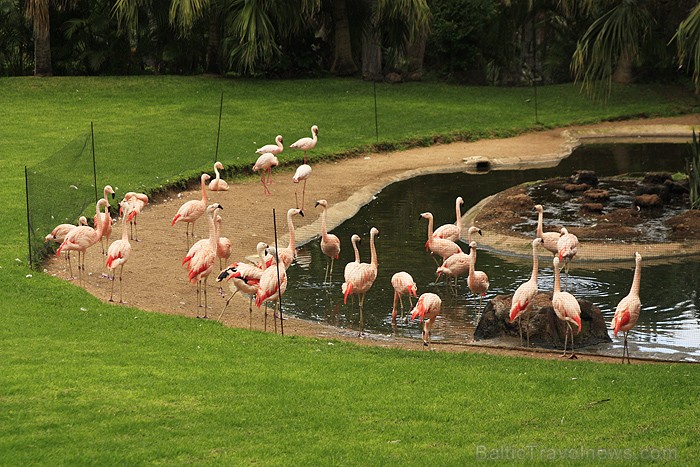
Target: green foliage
692 164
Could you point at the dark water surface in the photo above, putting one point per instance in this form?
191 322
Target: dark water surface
669 321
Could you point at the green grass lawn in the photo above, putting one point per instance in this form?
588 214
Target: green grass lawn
84 382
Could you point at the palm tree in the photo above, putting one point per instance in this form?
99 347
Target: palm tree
688 44
38 12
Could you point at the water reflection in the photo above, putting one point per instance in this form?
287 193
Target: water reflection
669 292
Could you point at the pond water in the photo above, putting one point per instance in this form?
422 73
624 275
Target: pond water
670 318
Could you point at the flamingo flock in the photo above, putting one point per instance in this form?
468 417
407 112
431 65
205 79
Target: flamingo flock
266 281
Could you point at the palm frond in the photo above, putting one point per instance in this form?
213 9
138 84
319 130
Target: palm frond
687 39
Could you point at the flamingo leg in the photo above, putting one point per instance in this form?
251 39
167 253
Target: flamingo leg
269 176
362 303
70 268
296 197
265 188
111 291
520 328
330 275
250 313
121 270
136 231
527 324
401 303
566 339
325 276
573 355
227 301
205 297
303 192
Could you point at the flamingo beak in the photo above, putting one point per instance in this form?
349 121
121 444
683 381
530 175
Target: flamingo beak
316 205
577 319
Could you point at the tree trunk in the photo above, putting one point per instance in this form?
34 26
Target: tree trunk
623 68
213 52
372 55
415 52
42 50
343 64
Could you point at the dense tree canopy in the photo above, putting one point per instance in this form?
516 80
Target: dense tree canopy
474 41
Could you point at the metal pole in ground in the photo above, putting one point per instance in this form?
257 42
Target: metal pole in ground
94 165
218 132
29 227
277 265
376 117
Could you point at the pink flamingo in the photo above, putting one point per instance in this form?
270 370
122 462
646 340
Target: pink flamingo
403 284
244 278
567 309
223 245
136 202
105 219
477 281
330 244
303 173
428 308
193 210
289 254
524 295
265 163
271 288
83 237
454 266
627 311
567 246
452 231
201 263
349 268
549 239
439 246
118 254
218 184
306 144
275 149
362 277
58 234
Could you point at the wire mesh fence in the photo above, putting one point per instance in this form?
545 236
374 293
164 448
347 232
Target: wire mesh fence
59 191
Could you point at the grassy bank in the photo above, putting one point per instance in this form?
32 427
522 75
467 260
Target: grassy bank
87 382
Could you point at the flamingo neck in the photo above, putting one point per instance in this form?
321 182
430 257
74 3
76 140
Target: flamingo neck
430 227
458 212
373 250
99 228
105 195
637 278
216 171
533 277
357 252
292 242
539 224
557 286
125 231
324 232
204 192
213 231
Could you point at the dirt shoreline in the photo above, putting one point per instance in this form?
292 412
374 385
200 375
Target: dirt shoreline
154 279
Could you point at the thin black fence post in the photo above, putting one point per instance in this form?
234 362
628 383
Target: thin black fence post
376 116
218 132
534 65
279 282
29 226
94 164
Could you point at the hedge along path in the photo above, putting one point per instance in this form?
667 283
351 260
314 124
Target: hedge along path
155 280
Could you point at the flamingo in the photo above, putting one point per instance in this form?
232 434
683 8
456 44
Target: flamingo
567 309
223 245
105 218
428 308
273 284
349 268
58 234
567 246
287 255
275 149
477 281
454 266
265 163
218 184
627 311
524 295
202 262
83 237
245 278
330 244
306 144
549 239
361 277
193 210
439 246
136 202
303 173
403 284
452 231
118 253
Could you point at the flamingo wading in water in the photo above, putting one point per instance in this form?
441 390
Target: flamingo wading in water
439 246
627 311
567 246
428 308
524 295
193 210
452 231
361 277
549 239
477 281
567 309
330 244
306 144
403 284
